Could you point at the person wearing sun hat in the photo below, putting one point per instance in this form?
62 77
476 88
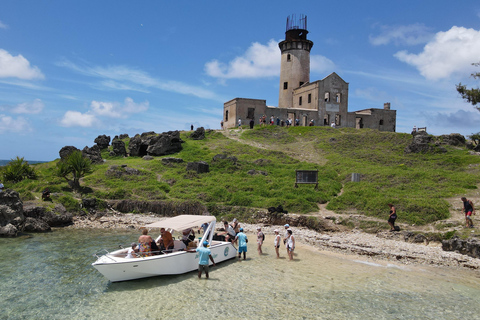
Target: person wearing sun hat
203 255
242 244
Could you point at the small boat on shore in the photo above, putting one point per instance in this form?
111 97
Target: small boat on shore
116 267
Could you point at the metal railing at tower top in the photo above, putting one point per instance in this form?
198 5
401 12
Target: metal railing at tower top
294 23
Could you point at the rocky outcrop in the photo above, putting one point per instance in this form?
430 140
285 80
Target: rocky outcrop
152 144
470 247
198 166
65 151
123 136
102 141
198 134
423 143
453 139
93 154
118 148
223 156
11 213
50 218
171 160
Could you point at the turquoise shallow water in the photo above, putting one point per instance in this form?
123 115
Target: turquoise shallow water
49 276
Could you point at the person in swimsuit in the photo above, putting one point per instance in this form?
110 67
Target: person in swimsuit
276 242
260 238
144 243
290 244
468 209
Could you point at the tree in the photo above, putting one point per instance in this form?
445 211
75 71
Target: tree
472 95
74 167
17 170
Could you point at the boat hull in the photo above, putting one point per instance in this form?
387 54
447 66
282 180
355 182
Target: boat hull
116 268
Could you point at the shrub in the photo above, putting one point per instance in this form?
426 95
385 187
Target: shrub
17 170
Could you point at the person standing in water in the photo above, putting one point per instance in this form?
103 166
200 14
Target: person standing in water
276 242
290 244
242 244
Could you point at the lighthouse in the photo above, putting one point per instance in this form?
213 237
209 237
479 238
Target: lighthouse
295 59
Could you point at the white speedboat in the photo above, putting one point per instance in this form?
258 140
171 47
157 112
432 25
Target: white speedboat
116 267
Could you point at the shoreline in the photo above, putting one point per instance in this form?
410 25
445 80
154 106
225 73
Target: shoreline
354 242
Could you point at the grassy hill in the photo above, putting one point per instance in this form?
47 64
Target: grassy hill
417 184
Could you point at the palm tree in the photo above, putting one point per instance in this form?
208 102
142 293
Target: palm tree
76 166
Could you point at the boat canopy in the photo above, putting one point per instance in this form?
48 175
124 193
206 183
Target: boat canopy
182 222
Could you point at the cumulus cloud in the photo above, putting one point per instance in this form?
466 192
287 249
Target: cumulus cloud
78 119
260 61
17 67
447 53
118 110
3 25
402 35
11 124
34 107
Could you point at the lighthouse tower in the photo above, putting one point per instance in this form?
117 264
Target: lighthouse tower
295 60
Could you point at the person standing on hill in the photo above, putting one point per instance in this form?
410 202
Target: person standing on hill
468 209
392 217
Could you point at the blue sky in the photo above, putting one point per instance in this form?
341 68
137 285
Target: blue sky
72 70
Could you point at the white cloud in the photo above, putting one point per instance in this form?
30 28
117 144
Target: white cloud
257 62
34 107
260 61
17 67
449 52
10 124
117 110
3 25
122 78
402 35
78 119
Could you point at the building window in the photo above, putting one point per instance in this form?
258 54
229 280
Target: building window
251 113
326 120
301 83
226 116
309 97
288 57
381 122
337 97
337 119
299 101
327 96
285 85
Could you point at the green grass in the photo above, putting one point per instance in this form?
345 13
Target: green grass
416 183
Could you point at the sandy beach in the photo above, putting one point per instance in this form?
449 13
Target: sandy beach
355 242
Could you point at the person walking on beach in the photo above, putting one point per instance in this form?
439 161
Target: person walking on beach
276 242
468 209
392 217
290 244
203 255
242 244
287 227
260 238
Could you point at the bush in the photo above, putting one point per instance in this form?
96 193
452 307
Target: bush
17 170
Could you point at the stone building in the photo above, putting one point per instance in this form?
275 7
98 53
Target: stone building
319 103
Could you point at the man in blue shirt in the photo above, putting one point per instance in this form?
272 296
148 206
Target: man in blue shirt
242 243
203 255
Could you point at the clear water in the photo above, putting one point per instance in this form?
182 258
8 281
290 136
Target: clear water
49 276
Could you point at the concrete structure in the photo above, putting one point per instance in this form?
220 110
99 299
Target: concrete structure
319 103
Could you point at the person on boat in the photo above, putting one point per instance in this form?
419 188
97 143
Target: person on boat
132 251
260 238
276 242
229 232
235 225
242 244
188 235
203 255
290 244
145 243
166 241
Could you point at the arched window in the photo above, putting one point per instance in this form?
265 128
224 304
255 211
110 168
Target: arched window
327 96
337 98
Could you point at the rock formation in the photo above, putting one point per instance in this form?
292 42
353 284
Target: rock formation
470 247
102 141
118 148
65 151
11 213
152 144
198 166
198 134
93 154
